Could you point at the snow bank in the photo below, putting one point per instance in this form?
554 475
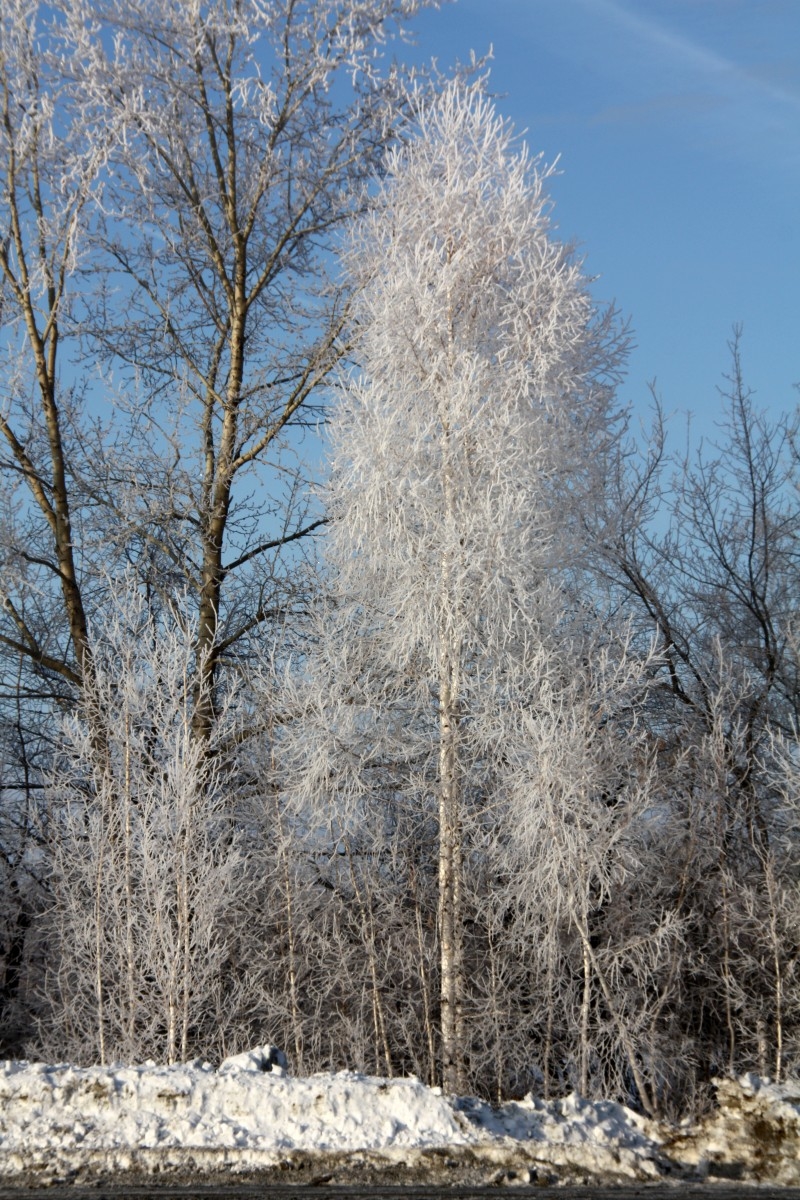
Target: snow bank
596 1139
753 1136
251 1118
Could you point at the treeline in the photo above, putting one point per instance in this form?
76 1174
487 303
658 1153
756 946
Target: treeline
479 760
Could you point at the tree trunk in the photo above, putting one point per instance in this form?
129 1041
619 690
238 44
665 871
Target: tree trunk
450 932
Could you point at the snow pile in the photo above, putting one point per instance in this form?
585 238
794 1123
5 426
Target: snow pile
601 1137
571 1121
251 1117
263 1058
63 1112
754 1135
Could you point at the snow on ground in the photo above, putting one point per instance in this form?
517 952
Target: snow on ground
194 1106
250 1116
252 1119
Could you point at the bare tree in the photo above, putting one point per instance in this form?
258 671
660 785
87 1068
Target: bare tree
51 166
704 551
245 134
706 548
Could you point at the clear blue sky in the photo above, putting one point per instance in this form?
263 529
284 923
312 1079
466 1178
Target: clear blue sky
677 123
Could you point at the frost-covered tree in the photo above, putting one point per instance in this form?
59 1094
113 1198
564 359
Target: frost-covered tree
703 550
173 177
463 448
49 166
147 866
195 161
244 134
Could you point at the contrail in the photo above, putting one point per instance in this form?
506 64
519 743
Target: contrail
679 46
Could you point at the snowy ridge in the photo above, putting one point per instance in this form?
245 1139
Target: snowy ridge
251 1119
195 1107
60 1122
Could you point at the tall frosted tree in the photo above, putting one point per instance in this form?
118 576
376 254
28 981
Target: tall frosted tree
463 447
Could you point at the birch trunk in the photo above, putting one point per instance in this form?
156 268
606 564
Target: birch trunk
449 889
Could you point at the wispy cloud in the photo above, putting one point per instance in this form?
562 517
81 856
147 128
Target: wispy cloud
689 104
715 67
748 112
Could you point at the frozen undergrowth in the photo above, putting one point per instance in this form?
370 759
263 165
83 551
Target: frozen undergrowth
250 1117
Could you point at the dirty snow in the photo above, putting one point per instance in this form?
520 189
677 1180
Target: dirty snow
753 1135
250 1117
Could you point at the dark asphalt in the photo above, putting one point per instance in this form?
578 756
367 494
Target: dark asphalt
658 1191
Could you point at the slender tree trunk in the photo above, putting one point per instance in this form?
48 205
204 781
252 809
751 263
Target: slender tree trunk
51 495
585 1003
297 1030
775 946
172 1024
186 816
99 920
494 992
726 974
128 885
449 887
450 916
548 1035
645 1097
426 994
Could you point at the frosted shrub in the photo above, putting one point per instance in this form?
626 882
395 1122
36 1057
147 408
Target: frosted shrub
146 862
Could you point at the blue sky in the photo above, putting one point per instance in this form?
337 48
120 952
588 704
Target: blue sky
677 123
